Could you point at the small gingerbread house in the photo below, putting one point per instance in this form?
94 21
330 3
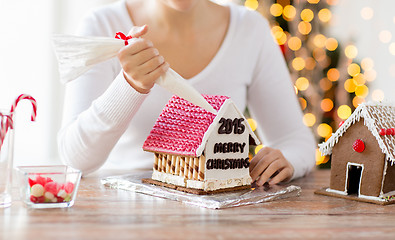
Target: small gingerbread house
362 153
196 149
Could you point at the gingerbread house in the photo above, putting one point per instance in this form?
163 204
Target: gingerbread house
362 153
198 150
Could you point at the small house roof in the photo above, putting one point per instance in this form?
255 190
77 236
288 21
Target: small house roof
377 116
183 128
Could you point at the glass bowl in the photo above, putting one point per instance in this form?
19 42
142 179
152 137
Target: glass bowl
48 186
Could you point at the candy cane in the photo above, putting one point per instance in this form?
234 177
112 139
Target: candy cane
4 124
28 97
2 129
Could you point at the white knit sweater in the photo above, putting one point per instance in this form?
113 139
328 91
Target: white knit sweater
106 121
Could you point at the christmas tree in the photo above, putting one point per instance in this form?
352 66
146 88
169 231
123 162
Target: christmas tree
328 80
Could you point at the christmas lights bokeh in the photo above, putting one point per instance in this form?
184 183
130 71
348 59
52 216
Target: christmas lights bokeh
330 77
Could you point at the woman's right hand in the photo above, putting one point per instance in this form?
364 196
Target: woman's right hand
141 63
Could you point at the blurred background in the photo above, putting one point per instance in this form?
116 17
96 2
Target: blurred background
339 52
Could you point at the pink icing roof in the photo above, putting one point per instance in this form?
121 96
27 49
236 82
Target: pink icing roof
181 126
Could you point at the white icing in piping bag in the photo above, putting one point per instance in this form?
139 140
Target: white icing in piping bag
177 85
77 54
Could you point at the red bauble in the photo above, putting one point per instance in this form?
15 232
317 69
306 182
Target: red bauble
358 146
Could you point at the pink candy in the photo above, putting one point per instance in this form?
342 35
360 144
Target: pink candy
45 190
52 187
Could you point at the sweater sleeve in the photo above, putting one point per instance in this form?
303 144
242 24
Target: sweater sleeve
98 107
272 101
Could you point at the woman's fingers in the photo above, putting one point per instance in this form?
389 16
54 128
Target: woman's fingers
134 47
158 72
132 63
283 175
151 65
147 80
138 31
146 55
270 163
273 167
255 160
141 62
261 161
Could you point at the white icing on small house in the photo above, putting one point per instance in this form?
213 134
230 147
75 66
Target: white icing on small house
377 116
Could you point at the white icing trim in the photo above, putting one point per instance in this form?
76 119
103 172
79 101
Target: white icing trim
372 198
214 184
382 199
360 196
360 178
336 191
392 193
211 128
168 178
207 185
383 177
195 184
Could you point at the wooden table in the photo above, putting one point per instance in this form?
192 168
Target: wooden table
102 213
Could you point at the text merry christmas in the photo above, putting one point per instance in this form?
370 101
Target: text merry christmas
227 163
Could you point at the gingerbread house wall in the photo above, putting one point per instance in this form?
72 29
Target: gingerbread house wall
372 159
389 179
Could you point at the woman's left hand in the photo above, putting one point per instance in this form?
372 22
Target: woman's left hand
270 163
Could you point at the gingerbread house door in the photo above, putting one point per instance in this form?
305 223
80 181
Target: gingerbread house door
345 174
353 178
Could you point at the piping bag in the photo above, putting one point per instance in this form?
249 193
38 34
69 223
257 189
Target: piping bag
76 55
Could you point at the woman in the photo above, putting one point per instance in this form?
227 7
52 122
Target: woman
220 50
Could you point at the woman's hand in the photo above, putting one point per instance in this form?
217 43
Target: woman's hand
141 62
270 163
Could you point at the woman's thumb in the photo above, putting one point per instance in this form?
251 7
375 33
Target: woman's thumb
138 31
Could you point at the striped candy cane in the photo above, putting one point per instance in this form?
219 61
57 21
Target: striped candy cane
9 122
5 122
27 97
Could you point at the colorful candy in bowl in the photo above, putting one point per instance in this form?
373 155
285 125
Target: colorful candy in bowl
48 186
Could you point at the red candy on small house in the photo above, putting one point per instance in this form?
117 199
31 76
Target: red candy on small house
341 123
388 131
358 146
382 132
